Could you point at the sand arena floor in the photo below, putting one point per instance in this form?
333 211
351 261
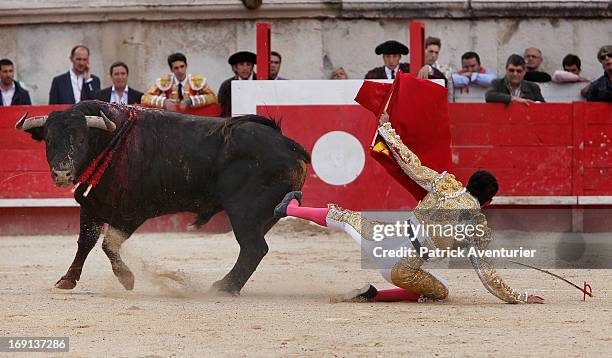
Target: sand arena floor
285 308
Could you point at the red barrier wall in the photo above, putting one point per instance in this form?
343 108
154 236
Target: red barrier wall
556 149
529 149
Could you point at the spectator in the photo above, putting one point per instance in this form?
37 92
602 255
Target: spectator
242 65
78 84
179 90
533 60
431 68
472 73
513 87
275 65
571 71
12 92
339 74
119 92
391 52
601 89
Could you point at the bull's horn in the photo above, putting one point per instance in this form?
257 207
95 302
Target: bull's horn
19 123
101 123
110 125
28 123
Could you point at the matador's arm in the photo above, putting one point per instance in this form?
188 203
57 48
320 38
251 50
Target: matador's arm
485 269
406 159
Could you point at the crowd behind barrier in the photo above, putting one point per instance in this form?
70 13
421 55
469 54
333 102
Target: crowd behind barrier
182 89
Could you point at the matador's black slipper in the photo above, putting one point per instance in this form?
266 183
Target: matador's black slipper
363 294
281 209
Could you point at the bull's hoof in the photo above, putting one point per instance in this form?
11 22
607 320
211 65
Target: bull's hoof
127 280
65 283
223 289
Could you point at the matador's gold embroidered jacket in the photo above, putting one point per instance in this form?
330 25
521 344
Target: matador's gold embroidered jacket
447 202
166 87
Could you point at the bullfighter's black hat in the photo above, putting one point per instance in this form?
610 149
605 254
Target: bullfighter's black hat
391 47
242 56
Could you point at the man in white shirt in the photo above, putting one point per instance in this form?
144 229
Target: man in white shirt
78 83
12 92
119 92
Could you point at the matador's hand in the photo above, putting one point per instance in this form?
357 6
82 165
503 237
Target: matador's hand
169 105
423 73
384 118
535 299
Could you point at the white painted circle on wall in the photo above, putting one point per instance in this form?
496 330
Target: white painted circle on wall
338 158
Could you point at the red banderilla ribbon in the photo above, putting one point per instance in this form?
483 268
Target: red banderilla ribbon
585 292
583 289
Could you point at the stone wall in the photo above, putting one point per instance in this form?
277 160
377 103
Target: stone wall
313 36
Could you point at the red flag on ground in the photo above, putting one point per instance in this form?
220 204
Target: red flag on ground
418 111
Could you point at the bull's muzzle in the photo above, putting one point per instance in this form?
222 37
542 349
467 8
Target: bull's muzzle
62 178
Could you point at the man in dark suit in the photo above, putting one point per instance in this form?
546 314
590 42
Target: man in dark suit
119 92
242 63
600 90
513 88
78 84
391 52
12 93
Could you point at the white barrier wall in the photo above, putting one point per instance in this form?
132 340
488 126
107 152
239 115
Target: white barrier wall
248 94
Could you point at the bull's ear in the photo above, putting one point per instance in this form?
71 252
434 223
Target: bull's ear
36 133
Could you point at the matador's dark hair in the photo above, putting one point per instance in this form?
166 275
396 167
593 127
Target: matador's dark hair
176 57
483 186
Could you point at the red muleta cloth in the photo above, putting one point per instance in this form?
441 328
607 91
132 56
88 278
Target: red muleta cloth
418 111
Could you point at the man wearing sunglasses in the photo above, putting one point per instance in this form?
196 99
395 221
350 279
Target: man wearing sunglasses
601 89
513 88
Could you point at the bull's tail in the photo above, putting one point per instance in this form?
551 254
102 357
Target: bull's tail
298 149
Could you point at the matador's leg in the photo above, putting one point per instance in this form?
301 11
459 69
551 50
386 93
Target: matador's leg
290 206
351 222
360 229
419 281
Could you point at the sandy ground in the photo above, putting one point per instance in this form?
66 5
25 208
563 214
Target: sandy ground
285 308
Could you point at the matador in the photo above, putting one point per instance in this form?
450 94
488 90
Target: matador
179 89
446 203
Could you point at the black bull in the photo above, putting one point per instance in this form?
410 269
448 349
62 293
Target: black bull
169 163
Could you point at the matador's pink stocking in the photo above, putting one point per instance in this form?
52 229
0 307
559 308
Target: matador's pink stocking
316 215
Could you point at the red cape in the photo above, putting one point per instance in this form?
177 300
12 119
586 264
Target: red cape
418 111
